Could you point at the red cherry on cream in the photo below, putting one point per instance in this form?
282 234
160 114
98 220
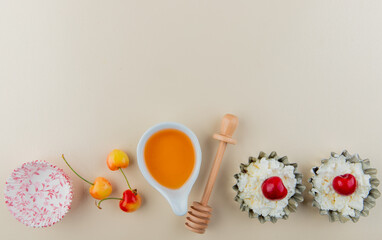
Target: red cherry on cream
345 184
274 189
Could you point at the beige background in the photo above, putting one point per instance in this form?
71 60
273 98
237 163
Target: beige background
84 77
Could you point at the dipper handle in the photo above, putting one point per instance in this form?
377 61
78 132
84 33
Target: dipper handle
227 128
199 214
228 125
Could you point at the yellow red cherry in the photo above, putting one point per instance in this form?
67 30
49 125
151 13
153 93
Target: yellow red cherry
117 159
99 189
129 202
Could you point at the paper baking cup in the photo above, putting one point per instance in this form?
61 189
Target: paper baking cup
38 194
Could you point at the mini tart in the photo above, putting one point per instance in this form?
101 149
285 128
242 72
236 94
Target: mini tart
340 207
249 187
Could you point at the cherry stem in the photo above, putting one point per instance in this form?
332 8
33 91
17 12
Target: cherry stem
125 178
75 171
113 198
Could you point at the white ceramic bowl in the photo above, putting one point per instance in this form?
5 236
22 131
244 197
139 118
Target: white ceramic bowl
176 197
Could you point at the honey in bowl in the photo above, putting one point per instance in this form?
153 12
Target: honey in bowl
170 157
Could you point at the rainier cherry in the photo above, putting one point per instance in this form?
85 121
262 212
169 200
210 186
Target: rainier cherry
129 202
274 189
345 184
99 189
117 159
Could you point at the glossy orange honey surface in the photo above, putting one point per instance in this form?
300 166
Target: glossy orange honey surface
170 157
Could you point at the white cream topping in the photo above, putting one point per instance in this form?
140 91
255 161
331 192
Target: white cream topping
249 185
328 198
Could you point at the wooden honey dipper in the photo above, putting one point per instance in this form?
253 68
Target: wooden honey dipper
199 213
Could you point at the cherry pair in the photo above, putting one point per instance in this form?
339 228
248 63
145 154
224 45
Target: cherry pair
273 188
